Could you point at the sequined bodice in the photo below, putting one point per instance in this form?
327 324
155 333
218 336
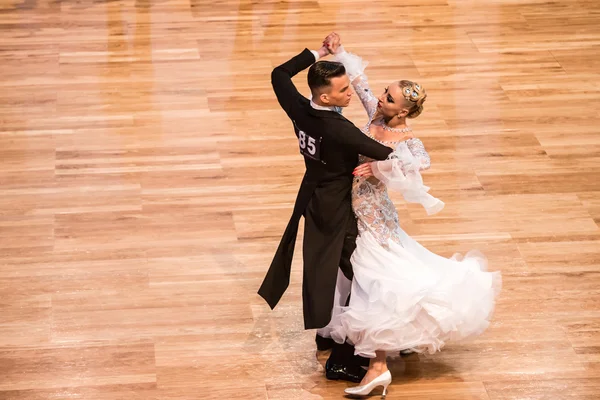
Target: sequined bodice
371 203
374 210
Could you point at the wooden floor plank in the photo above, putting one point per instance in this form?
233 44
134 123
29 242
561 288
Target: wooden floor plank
148 172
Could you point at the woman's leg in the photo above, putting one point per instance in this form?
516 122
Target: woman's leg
377 366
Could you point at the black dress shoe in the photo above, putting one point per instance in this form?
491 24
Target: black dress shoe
323 343
353 373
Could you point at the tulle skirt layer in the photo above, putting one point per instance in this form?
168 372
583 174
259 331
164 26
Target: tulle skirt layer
408 298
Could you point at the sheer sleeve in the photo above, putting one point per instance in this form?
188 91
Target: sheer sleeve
355 68
400 172
417 149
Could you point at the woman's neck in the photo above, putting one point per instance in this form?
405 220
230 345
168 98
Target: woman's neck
395 122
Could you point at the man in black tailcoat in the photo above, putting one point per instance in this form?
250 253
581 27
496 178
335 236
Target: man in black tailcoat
330 145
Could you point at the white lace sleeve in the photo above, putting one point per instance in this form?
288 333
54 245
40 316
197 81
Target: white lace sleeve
355 68
400 172
417 149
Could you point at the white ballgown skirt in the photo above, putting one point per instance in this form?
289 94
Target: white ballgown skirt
408 298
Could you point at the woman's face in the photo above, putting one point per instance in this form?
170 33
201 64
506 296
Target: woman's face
392 103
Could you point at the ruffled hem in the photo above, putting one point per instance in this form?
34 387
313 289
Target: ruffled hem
395 307
355 65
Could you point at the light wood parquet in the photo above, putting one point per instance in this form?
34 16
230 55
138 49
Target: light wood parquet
147 174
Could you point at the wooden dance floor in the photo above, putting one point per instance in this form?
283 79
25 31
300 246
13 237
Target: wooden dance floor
148 172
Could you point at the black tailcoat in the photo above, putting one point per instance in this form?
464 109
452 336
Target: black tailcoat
330 145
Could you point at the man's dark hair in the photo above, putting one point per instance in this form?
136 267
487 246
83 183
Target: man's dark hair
321 72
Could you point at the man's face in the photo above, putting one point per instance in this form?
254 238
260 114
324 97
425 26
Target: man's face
339 93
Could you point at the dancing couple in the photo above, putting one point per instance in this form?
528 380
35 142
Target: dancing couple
368 287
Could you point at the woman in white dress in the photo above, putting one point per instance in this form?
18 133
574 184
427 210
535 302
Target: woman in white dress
403 296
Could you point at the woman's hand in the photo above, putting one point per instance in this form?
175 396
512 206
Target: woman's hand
363 170
333 43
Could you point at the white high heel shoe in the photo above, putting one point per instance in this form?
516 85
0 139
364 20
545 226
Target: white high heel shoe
382 380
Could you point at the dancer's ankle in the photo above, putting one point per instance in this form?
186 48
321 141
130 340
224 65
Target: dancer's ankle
378 366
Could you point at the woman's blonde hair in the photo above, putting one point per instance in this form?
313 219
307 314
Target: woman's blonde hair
414 96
